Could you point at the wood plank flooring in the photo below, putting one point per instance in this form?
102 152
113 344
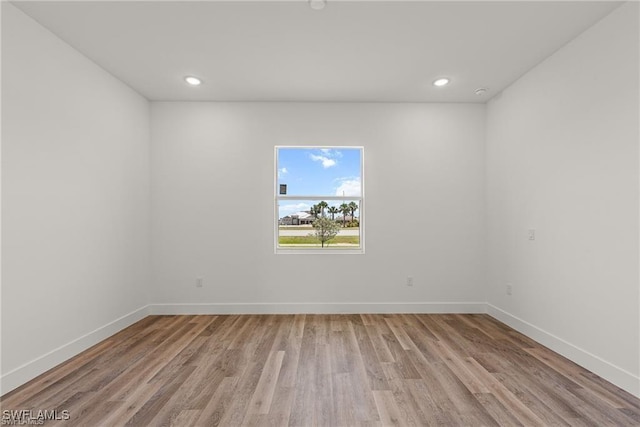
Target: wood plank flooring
324 370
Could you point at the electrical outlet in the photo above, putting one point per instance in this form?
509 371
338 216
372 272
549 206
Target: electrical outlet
199 282
532 234
409 280
509 289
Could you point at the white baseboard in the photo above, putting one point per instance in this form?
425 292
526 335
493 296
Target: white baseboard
318 308
612 373
32 369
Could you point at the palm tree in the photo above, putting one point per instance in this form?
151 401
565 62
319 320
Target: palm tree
353 207
314 211
322 206
344 209
333 211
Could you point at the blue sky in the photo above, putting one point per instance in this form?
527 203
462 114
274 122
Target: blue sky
317 172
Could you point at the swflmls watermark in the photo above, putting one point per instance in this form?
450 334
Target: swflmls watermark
17 417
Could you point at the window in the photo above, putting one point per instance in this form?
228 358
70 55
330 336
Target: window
319 200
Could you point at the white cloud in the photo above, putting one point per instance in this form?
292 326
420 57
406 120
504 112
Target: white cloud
331 153
326 162
349 187
282 172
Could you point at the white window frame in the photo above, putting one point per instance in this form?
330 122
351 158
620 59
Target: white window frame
278 197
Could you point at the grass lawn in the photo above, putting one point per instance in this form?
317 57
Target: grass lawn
310 240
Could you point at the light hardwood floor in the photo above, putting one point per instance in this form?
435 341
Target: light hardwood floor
324 370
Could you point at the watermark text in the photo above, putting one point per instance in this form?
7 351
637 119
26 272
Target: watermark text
33 416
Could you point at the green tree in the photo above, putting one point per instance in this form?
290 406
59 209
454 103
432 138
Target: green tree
325 229
322 206
353 207
333 211
344 210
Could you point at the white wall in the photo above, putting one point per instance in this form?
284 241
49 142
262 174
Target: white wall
562 158
212 203
75 200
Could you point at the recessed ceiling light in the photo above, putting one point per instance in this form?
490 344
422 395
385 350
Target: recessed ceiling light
193 81
317 4
441 82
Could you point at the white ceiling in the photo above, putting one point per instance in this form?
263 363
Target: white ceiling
380 51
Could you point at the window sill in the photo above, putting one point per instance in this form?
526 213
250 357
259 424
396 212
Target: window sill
314 251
